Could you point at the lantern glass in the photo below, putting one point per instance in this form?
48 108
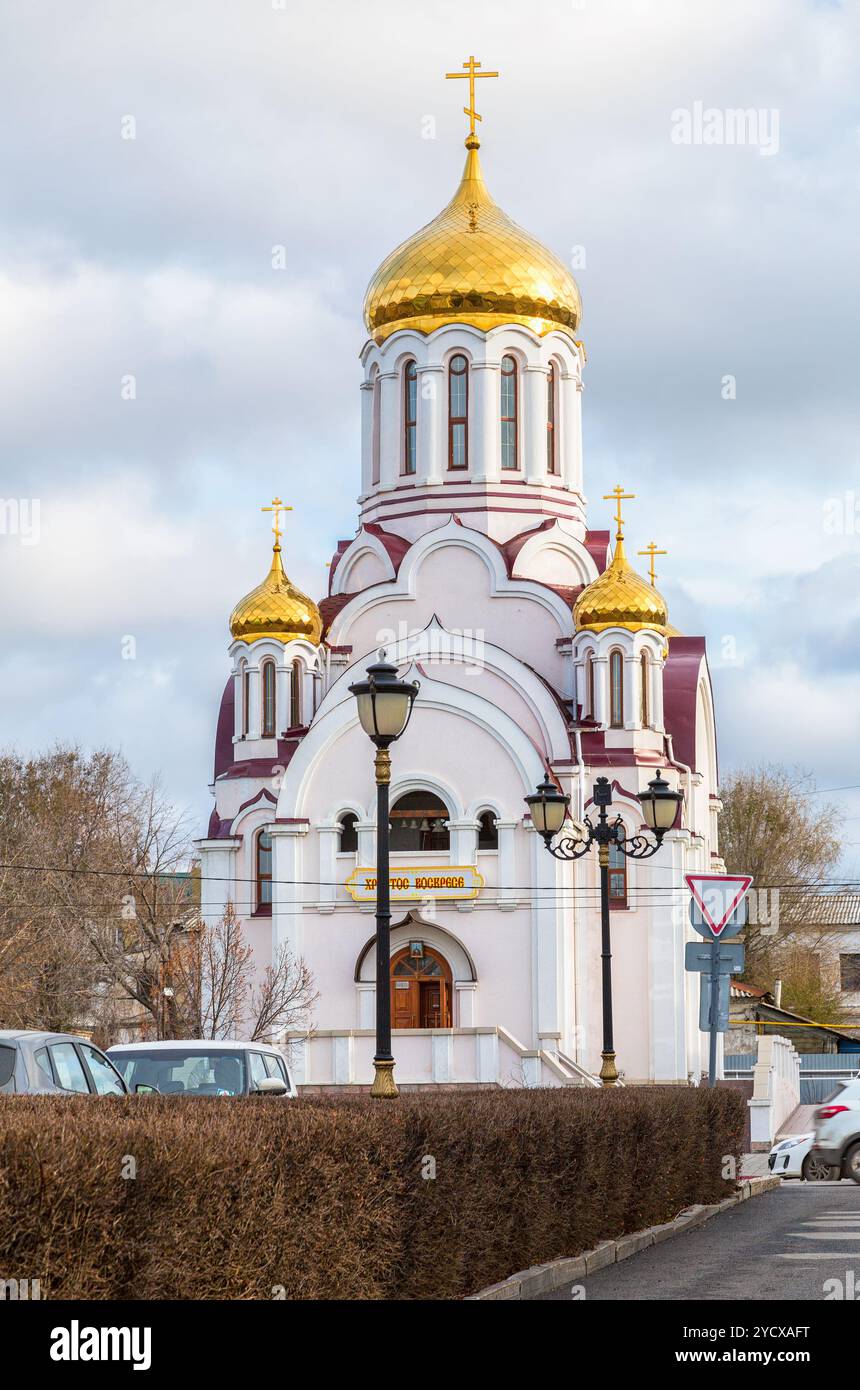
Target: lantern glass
384 703
548 808
659 805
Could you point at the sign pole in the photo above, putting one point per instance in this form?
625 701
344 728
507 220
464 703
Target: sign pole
714 1013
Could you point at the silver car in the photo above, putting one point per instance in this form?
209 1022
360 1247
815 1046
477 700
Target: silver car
33 1063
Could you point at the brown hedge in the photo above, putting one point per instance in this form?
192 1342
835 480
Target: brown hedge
326 1199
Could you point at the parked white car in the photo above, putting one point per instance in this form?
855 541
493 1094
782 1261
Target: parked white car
794 1158
837 1129
203 1067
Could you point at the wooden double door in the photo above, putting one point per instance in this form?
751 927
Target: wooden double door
420 989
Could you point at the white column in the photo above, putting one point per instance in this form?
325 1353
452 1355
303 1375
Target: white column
534 434
466 996
431 435
254 710
601 681
218 859
366 437
288 891
484 434
547 917
389 430
570 454
464 841
656 669
237 705
328 834
507 864
631 691
282 698
366 832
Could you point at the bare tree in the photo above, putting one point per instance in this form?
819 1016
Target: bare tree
773 828
219 996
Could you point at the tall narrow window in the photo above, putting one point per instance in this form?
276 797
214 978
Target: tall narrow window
616 690
410 416
551 452
264 871
246 698
589 685
296 694
458 412
510 400
268 674
644 709
375 431
617 877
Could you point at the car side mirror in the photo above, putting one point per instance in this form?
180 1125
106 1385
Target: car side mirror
272 1086
141 1089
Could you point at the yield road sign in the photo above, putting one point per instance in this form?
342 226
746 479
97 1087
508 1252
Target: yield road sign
717 896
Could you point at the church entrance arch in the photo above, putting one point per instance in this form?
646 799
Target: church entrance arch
420 988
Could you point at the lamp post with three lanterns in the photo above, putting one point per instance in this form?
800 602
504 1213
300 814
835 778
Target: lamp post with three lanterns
549 806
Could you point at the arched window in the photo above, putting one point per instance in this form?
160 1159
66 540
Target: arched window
616 690
295 694
551 451
589 685
510 405
617 877
375 430
488 834
245 677
419 824
264 871
458 412
410 416
268 680
348 833
644 710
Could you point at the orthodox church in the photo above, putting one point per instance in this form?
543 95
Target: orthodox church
538 648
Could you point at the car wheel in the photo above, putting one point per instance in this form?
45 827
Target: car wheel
851 1166
814 1170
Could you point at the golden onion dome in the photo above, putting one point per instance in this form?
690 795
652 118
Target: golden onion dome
473 265
276 608
620 598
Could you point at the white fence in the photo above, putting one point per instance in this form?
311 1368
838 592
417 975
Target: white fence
776 1090
430 1057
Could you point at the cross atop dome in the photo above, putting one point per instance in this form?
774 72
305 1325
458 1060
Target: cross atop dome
472 74
619 496
277 507
651 550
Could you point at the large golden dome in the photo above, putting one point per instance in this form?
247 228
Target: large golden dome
471 264
621 598
276 608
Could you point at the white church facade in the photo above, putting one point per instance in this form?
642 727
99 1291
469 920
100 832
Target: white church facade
538 650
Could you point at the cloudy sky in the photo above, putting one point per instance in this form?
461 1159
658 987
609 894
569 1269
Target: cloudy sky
152 154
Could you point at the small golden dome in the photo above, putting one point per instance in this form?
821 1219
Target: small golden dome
620 598
276 608
471 264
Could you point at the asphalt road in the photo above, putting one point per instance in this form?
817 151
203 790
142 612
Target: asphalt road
784 1244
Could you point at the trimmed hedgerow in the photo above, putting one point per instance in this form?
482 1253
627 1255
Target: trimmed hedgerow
424 1197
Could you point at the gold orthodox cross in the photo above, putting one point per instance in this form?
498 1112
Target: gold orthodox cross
471 73
651 549
277 507
618 495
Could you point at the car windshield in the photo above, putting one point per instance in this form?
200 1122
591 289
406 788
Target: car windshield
189 1071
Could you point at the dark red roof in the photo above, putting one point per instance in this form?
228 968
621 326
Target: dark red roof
680 688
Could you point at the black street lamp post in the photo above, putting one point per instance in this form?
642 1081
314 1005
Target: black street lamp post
384 706
549 807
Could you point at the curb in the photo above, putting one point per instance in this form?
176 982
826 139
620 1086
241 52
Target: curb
554 1275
